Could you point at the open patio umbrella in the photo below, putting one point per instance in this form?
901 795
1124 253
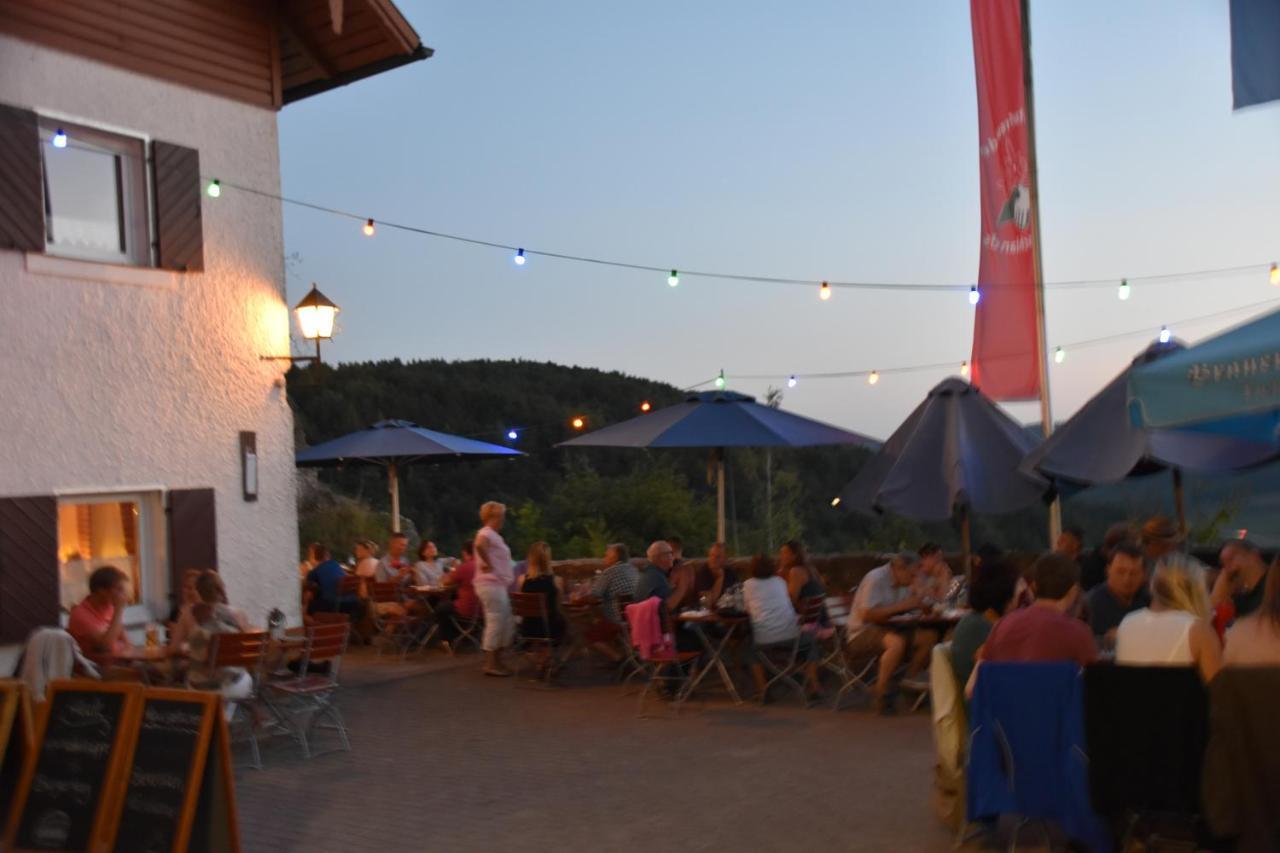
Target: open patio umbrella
392 444
1229 385
958 452
716 420
1101 444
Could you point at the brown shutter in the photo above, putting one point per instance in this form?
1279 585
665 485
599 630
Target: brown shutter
29 577
179 231
193 533
21 193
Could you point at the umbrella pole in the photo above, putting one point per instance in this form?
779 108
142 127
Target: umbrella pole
1178 502
720 532
393 482
965 545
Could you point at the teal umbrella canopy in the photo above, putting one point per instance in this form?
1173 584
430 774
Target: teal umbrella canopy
1229 385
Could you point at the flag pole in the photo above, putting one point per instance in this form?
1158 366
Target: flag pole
1042 358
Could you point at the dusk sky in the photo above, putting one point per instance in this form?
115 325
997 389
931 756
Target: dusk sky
819 140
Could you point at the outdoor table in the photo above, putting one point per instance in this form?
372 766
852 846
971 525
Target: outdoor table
941 622
697 620
148 661
579 614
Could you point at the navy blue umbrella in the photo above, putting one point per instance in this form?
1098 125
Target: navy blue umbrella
957 452
394 443
719 419
1101 444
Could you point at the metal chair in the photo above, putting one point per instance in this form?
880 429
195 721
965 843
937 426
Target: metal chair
466 629
539 650
245 651
782 660
304 702
665 666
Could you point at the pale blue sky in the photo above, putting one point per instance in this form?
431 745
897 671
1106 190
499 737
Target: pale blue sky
823 139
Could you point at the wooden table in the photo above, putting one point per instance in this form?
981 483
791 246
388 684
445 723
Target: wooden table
697 621
941 622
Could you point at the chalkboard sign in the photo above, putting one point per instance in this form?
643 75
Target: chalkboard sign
17 737
170 763
66 795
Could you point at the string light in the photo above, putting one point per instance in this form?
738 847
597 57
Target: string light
1164 334
512 434
873 377
835 501
791 381
720 380
964 369
644 407
368 228
1123 293
578 423
1059 355
215 188
824 292
673 279
519 258
974 295
1275 275
60 141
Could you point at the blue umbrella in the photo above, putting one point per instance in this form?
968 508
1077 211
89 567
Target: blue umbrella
719 419
1101 444
1229 385
956 453
394 443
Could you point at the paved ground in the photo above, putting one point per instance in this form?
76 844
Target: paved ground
446 759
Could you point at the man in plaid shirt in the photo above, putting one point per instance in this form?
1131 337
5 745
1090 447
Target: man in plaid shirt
618 578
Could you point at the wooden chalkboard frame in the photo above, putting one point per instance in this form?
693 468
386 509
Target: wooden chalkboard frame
210 766
17 728
108 802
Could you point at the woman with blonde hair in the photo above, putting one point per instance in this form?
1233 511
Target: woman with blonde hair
541 579
1175 629
494 574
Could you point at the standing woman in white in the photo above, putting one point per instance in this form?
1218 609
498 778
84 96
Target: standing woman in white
494 574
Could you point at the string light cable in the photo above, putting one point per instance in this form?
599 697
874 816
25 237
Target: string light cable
1057 350
215 188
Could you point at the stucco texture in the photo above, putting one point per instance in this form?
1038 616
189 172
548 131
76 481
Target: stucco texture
148 382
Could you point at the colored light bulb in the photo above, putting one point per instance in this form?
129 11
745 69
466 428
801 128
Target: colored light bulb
1123 293
824 292
60 141
1059 355
791 381
368 228
974 294
673 279
215 188
519 258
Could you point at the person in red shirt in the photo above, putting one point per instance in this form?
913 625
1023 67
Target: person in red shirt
465 605
1044 631
97 623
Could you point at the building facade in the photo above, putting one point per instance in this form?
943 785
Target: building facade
141 427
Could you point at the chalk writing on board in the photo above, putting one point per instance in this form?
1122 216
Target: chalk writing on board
97 749
144 805
52 829
173 721
143 779
72 789
83 713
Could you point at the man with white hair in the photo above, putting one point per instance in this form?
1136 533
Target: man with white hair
887 591
654 577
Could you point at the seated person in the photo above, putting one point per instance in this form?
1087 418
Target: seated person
802 579
933 578
1124 592
97 623
991 596
715 578
464 606
324 582
428 571
618 578
1255 639
540 579
1242 580
186 596
774 623
395 566
195 631
1042 631
1175 629
886 592
652 582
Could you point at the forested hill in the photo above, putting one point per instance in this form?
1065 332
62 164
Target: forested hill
581 498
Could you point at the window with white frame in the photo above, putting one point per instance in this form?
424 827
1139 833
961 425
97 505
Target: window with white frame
95 194
121 530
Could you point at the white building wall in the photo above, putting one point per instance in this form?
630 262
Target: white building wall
147 379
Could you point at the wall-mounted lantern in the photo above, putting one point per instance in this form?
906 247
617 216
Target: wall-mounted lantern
316 313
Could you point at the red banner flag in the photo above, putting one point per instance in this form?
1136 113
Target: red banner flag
1007 346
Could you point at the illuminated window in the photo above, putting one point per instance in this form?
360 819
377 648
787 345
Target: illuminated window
111 530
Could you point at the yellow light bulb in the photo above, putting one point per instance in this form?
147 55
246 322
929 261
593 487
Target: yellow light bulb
824 292
1275 275
578 423
873 378
368 228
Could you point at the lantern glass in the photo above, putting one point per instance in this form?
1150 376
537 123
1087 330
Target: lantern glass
316 321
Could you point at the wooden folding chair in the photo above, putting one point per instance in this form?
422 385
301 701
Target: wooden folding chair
671 666
539 650
245 651
392 623
304 702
